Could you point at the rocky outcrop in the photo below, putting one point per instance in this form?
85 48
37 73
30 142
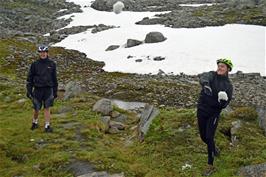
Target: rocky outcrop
146 5
33 16
190 17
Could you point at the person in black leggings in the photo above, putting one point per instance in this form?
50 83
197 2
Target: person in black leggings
215 95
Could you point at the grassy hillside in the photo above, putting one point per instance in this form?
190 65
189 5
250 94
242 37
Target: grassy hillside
78 136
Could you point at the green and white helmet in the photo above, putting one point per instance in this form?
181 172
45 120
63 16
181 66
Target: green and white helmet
226 61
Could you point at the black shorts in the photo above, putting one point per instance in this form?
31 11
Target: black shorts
42 96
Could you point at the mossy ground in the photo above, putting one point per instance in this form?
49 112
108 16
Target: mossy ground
78 135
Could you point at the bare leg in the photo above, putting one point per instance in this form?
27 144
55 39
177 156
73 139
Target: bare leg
35 116
47 115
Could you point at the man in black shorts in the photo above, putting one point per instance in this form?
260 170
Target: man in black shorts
42 87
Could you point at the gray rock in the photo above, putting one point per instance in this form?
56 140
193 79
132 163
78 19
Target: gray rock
262 118
121 118
138 60
112 47
80 167
106 121
22 101
147 116
103 106
159 58
101 174
253 171
235 126
118 125
72 89
64 109
115 114
154 37
132 43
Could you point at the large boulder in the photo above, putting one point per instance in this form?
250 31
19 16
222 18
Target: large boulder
103 106
154 37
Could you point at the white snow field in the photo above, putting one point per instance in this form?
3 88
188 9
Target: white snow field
190 51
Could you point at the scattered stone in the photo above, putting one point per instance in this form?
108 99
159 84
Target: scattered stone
133 43
159 58
138 60
112 47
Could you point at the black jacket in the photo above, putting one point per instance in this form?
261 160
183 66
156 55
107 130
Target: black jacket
42 73
210 104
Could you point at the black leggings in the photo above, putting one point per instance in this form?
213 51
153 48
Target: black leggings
207 127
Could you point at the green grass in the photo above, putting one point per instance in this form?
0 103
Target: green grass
164 152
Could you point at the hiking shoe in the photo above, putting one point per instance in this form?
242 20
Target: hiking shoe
48 129
209 170
34 126
217 152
